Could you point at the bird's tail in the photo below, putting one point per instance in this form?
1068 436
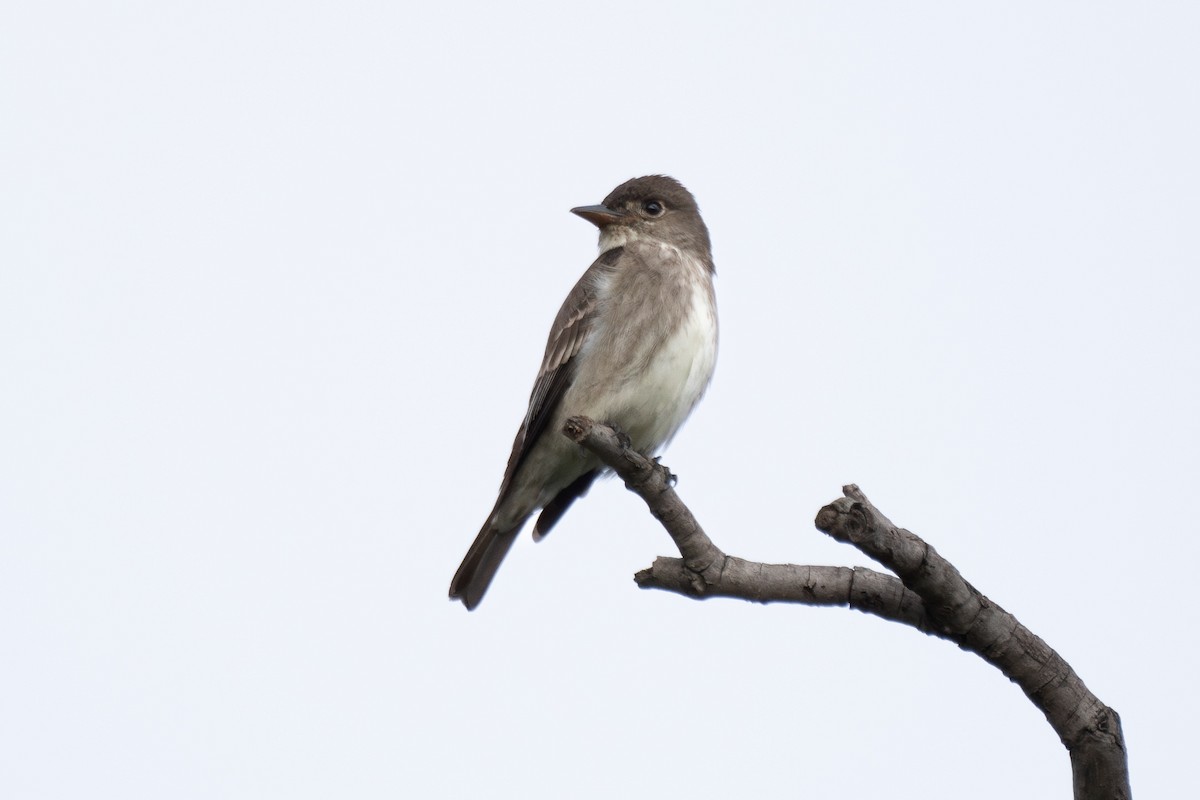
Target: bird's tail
482 560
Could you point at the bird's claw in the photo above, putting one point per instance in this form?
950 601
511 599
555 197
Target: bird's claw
622 437
672 478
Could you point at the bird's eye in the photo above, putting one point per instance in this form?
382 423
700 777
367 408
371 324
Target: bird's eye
653 207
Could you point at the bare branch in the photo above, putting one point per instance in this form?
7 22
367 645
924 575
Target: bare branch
1090 730
654 483
705 571
854 587
929 594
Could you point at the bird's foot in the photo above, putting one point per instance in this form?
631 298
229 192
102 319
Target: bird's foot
671 477
622 437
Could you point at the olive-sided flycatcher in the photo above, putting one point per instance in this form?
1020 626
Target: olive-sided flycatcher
634 346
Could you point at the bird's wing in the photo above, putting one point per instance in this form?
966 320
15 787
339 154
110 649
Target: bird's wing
571 328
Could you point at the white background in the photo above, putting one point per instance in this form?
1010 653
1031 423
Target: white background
275 279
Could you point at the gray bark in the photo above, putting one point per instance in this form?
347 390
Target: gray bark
927 593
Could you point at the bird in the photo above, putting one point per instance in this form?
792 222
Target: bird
634 346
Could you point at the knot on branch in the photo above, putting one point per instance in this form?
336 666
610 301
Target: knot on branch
577 428
677 575
845 520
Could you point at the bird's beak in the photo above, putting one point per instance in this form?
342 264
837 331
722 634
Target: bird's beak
599 215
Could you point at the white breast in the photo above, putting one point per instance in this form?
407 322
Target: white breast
653 404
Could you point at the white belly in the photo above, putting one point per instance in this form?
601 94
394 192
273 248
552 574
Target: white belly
652 404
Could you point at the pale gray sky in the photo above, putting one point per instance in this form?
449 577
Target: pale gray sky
274 283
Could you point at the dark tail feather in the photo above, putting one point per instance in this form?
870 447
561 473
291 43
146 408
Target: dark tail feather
554 510
479 567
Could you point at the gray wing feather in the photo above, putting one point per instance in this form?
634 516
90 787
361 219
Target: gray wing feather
571 328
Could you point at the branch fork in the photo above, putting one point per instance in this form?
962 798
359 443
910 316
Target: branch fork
925 591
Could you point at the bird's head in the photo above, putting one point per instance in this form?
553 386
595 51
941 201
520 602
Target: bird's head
654 207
